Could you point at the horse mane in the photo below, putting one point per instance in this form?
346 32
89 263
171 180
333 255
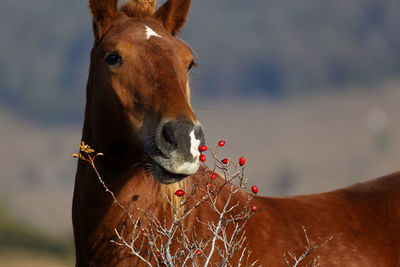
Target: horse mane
138 8
168 191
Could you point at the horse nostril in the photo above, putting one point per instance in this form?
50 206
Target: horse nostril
166 139
168 134
199 135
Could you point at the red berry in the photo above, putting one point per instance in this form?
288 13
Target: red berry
254 189
209 185
225 161
221 143
179 193
202 158
254 208
213 176
198 252
203 148
242 161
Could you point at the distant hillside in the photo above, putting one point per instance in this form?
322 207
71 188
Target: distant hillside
24 245
15 235
269 48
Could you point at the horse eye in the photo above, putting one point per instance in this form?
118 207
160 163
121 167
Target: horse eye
113 59
191 65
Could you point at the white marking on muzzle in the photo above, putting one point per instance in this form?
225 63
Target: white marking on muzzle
187 168
174 165
150 32
194 145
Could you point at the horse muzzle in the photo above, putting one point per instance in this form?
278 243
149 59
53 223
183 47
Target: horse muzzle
177 144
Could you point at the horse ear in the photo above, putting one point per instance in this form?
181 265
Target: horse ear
103 12
173 14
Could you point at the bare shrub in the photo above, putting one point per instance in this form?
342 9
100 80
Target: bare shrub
153 244
169 242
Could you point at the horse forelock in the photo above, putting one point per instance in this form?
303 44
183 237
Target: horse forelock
137 8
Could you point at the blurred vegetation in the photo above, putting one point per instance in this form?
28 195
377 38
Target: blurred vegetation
15 235
267 48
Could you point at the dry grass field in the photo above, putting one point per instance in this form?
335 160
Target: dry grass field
25 259
293 147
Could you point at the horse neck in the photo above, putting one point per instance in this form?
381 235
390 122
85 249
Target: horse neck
129 182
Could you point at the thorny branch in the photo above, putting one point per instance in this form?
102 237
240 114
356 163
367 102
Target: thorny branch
309 249
152 245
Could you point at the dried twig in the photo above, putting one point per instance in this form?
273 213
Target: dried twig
309 249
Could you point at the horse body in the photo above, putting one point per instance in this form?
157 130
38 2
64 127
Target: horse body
358 225
138 114
363 220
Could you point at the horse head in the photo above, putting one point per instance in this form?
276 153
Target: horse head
138 95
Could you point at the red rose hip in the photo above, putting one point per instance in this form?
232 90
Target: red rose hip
221 143
213 176
203 148
198 252
242 161
254 208
202 158
254 189
225 161
180 193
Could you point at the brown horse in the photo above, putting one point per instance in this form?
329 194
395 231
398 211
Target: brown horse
138 114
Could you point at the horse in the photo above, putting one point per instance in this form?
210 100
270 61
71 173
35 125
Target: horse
138 114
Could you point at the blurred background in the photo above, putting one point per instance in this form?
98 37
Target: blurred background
308 91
